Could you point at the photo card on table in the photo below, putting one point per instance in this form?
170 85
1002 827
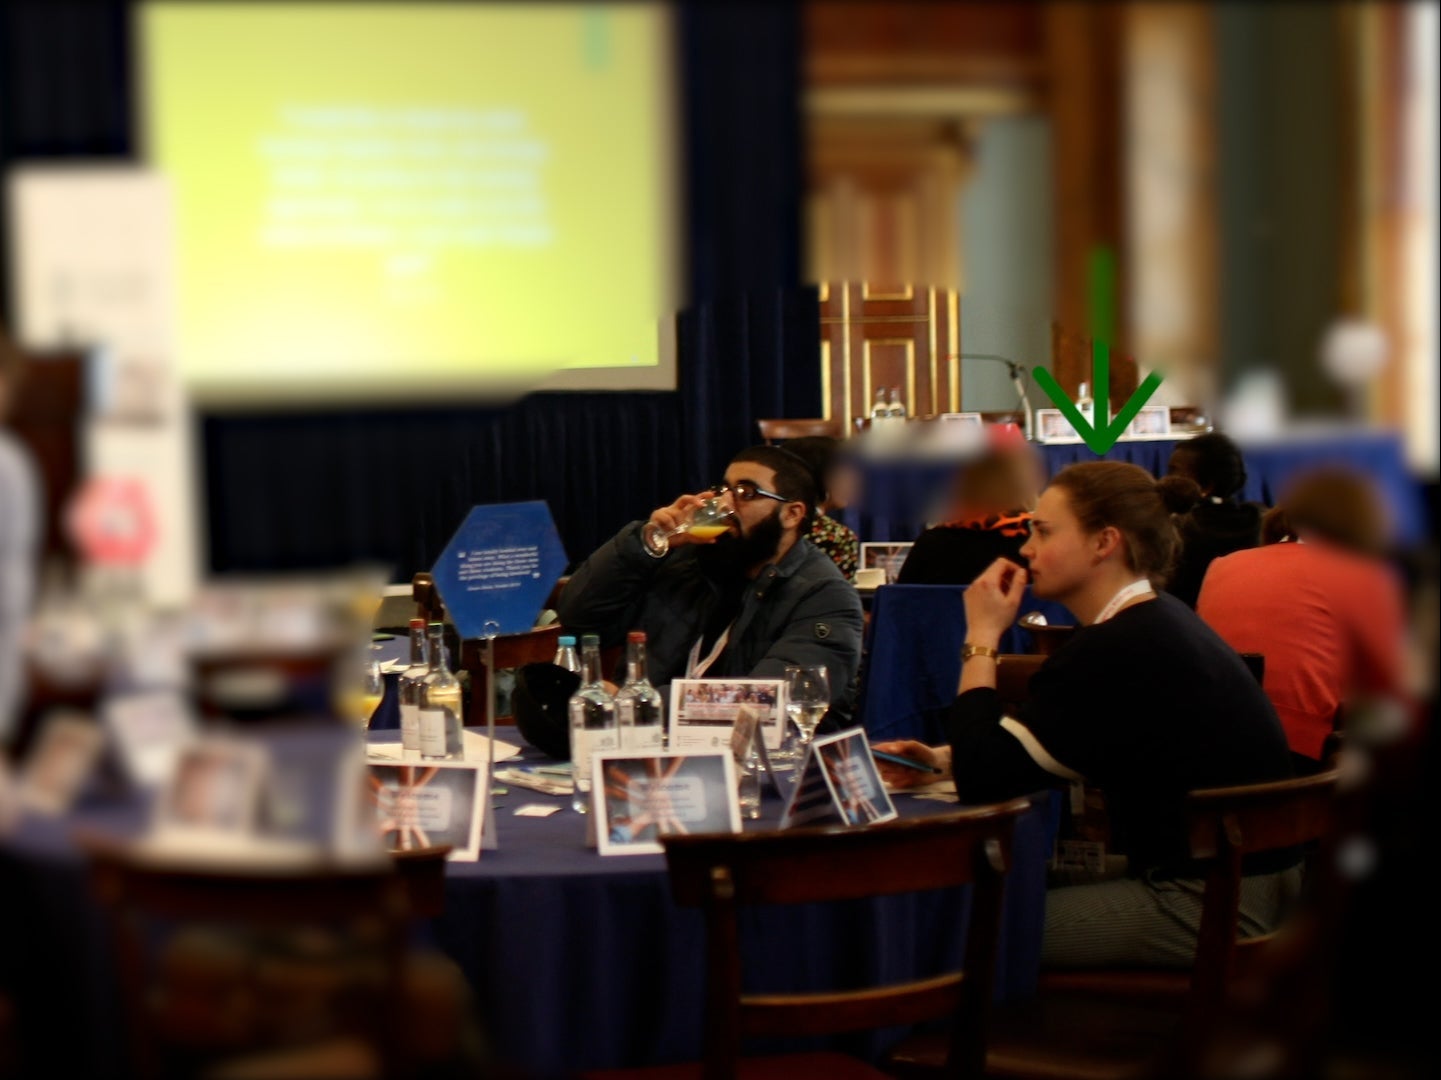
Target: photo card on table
703 712
1052 426
61 762
638 798
1150 422
429 803
885 556
214 792
148 729
839 784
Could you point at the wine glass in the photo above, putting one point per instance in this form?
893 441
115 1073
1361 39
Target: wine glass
362 689
808 699
707 521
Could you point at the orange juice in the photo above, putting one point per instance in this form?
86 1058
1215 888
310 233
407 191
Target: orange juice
358 706
708 532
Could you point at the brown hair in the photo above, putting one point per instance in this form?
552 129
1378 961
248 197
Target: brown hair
1131 500
999 481
1333 504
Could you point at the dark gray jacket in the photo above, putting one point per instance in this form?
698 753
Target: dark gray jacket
798 611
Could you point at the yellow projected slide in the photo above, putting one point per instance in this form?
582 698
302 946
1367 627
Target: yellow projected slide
412 198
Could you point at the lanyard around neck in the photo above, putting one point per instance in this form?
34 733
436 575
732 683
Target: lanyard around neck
1140 587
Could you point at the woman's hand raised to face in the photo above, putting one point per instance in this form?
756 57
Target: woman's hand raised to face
992 602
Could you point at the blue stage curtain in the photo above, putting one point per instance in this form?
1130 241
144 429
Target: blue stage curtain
308 490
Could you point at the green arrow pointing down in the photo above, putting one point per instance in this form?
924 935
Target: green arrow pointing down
1103 436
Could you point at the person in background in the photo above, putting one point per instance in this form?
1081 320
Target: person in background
19 539
836 481
993 500
1217 524
742 605
1144 701
1318 602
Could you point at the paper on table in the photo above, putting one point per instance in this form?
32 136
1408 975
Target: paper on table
474 748
536 810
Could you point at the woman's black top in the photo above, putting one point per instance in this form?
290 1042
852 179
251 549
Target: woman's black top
1209 531
1147 706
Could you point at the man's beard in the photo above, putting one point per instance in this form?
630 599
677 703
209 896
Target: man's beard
734 553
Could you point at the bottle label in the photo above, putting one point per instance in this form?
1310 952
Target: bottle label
590 742
409 726
432 732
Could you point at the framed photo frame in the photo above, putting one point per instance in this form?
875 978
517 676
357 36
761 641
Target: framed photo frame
61 762
426 803
963 419
703 712
1052 426
885 556
1153 421
638 798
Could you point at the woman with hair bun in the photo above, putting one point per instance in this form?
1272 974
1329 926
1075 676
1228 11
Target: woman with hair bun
1207 472
1317 601
1144 701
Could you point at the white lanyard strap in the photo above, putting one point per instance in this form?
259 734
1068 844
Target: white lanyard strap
1140 587
697 668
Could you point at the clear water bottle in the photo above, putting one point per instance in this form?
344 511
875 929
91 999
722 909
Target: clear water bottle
748 771
638 708
411 681
440 731
897 409
879 409
566 656
1085 404
592 722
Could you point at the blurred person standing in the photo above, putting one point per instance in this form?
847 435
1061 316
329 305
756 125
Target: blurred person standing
1317 601
19 535
989 520
836 482
1218 524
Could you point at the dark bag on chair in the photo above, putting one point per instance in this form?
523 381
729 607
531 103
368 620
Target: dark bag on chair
539 701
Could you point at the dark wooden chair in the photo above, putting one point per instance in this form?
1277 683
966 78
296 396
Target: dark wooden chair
774 431
1095 1024
1047 637
722 873
263 1014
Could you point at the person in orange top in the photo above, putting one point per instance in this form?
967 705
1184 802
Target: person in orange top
1317 601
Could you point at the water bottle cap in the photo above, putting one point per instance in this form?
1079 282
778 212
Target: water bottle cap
590 639
567 639
417 624
637 636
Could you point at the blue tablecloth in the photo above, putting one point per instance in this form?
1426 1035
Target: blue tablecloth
912 658
899 497
576 960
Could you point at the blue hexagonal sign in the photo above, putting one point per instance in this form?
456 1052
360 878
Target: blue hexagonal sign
499 567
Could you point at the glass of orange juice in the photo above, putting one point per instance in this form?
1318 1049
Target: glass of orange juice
361 690
707 521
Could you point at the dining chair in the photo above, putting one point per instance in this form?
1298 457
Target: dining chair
1089 1025
723 874
246 969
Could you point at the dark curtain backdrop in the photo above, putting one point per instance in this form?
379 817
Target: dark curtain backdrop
291 491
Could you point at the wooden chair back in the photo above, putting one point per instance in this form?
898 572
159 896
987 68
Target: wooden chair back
1225 825
1013 677
367 907
773 431
721 873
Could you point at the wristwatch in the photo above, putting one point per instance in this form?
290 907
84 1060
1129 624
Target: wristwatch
969 650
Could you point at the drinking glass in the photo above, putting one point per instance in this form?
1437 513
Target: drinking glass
710 519
362 689
808 698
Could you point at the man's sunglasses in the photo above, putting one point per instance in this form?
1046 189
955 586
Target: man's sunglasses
745 491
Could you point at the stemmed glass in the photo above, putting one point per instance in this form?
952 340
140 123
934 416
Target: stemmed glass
707 521
362 689
808 699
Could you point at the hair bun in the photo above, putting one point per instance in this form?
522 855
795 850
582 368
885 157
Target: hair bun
1179 493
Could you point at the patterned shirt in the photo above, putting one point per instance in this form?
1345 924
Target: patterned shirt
839 542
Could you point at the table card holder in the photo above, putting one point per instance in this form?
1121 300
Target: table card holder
429 803
638 798
212 799
61 762
703 712
839 784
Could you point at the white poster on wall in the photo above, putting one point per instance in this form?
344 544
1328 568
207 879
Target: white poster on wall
92 266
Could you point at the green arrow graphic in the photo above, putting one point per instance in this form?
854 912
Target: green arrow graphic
1101 437
1101 279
